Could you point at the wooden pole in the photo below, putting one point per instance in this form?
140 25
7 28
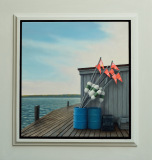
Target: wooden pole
67 103
37 111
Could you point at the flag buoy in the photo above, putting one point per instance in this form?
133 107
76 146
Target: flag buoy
102 92
95 89
101 98
88 87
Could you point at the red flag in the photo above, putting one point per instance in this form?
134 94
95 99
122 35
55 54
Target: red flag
101 64
111 71
119 77
98 67
107 72
114 66
115 78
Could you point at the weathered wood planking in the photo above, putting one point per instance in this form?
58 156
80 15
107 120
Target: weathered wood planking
117 96
49 122
59 123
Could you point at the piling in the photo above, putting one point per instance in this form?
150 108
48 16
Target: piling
67 103
37 111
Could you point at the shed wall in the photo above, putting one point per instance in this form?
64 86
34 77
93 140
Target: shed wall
116 95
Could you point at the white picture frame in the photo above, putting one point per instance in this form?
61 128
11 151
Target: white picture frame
134 81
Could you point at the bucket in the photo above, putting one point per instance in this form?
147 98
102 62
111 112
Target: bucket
80 118
94 118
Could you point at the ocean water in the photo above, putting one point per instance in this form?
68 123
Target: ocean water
47 104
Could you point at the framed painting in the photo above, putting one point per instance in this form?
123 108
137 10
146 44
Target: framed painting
75 80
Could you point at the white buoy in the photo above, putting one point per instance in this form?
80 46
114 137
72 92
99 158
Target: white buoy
101 100
103 93
89 83
95 89
88 87
86 90
100 88
93 85
93 97
91 93
96 86
99 92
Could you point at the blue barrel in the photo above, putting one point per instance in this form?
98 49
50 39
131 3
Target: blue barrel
94 118
80 118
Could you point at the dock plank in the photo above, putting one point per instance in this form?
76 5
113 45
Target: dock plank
92 133
65 130
83 132
87 133
119 134
73 133
113 134
38 123
78 133
125 134
97 133
127 131
47 122
67 133
49 126
59 128
103 134
59 123
39 127
108 134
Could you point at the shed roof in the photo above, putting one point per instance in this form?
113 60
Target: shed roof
90 68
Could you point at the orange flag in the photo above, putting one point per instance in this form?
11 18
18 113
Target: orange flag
111 71
107 72
114 66
101 64
119 77
115 78
98 67
113 75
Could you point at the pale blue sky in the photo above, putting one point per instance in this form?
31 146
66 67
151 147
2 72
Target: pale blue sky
52 52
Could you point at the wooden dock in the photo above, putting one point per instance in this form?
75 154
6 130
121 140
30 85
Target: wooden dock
59 124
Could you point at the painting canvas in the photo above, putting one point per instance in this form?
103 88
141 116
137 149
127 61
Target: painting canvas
58 61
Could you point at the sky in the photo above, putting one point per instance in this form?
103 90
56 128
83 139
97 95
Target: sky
52 52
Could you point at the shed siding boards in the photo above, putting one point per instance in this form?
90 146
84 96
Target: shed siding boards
116 96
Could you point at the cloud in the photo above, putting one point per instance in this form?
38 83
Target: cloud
113 48
66 55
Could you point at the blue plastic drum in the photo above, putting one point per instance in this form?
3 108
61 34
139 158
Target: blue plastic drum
94 118
80 118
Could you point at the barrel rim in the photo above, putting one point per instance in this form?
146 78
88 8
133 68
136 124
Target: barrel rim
80 108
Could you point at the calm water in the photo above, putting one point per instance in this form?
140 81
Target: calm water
47 104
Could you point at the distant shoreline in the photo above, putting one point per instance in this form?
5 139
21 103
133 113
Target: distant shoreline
53 96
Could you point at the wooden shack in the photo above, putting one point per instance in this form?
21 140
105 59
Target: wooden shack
116 100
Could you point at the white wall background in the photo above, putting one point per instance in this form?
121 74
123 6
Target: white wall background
144 10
